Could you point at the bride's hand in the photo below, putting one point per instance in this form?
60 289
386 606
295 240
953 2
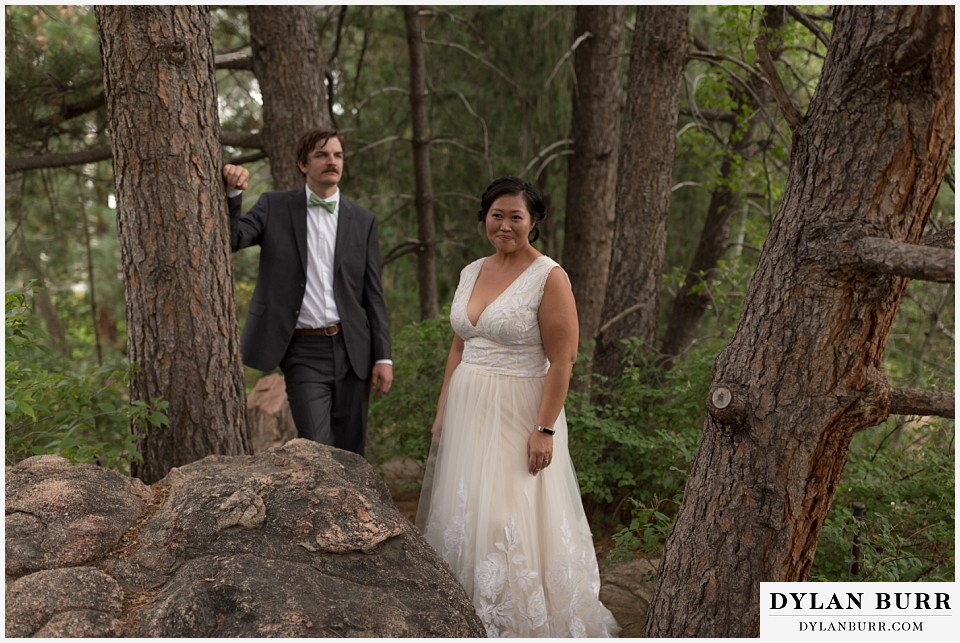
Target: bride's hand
437 428
539 451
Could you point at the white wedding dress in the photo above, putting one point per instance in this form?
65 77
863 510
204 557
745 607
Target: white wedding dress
519 544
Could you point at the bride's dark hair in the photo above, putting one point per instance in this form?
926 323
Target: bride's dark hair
515 185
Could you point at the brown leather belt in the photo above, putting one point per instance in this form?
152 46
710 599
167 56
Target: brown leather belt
327 331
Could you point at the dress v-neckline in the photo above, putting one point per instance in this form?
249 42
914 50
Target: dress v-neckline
466 307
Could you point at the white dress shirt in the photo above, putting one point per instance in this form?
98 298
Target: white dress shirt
319 308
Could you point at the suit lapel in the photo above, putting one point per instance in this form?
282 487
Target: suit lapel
297 207
344 230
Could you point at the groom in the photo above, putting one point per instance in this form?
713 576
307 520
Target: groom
318 310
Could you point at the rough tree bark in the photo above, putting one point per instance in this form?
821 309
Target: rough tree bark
171 218
632 294
801 374
427 247
291 83
592 182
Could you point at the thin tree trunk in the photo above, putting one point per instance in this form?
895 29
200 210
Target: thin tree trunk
592 181
41 298
182 329
289 64
801 374
92 285
632 298
692 300
427 249
51 318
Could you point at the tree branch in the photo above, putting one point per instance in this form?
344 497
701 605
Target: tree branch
241 139
618 317
790 111
940 238
407 247
104 152
72 110
708 56
246 159
744 85
40 161
477 57
892 257
808 22
234 60
918 402
567 54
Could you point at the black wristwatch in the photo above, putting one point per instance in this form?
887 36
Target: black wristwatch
544 429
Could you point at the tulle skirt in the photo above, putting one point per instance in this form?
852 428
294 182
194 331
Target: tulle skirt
519 544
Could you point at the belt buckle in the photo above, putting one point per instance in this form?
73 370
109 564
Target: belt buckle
330 331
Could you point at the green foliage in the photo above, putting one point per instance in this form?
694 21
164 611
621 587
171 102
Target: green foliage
400 422
52 61
635 450
648 530
54 406
904 476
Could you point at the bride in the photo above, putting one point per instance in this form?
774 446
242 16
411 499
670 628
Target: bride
500 499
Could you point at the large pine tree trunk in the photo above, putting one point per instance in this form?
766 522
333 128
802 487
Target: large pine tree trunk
801 374
647 148
289 64
592 182
427 247
171 218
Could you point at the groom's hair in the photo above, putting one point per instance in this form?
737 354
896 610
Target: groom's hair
309 139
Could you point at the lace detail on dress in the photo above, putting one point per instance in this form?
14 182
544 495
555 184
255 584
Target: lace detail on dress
574 584
510 596
454 533
511 318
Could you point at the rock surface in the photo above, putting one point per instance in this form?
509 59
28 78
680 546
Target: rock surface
269 419
626 589
302 540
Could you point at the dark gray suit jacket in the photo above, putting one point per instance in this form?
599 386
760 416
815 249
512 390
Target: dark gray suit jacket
278 224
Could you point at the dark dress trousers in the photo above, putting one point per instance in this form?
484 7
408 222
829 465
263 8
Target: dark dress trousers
278 224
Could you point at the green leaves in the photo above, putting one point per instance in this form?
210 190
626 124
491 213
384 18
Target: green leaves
400 422
648 529
632 454
54 406
904 476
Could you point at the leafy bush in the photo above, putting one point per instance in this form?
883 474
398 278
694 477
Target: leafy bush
904 476
58 407
648 530
633 453
399 424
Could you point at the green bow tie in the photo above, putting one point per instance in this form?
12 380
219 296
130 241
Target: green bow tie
329 206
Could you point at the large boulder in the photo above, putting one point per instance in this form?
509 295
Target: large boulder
626 589
269 418
302 540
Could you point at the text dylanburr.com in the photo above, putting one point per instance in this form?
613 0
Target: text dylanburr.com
853 610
